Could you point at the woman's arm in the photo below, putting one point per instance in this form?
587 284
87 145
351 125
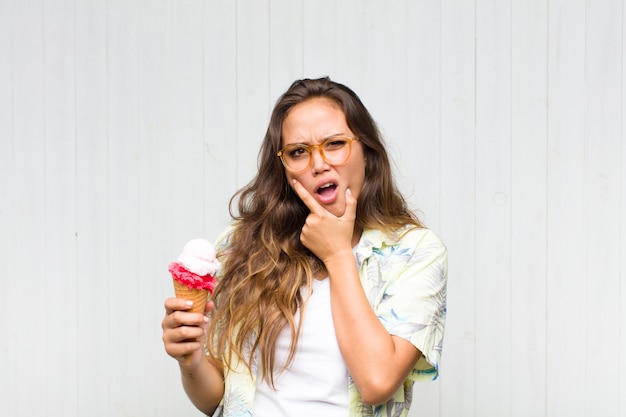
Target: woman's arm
204 384
183 333
377 361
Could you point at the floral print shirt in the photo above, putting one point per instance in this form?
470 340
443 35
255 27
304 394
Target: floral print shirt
405 282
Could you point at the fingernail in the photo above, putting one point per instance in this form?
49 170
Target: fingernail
189 303
206 319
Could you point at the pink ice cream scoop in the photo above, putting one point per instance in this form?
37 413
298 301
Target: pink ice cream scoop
196 266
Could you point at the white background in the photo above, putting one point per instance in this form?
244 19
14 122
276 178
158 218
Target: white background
126 125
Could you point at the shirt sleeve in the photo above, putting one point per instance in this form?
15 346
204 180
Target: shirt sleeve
413 302
221 244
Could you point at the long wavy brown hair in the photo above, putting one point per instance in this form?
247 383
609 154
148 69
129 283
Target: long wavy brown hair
264 263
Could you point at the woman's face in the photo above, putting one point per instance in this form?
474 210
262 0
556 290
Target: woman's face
311 122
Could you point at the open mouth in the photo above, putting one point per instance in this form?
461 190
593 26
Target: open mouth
327 190
327 193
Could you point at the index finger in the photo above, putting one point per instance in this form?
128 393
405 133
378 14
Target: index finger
177 304
307 198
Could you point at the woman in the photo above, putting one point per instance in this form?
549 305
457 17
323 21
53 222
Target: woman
332 296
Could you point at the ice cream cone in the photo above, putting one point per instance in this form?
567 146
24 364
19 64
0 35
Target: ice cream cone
194 275
198 297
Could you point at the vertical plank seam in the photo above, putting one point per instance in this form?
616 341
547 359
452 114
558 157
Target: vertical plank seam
14 155
46 276
203 119
546 208
236 92
511 200
440 173
76 294
584 193
475 131
138 405
108 186
620 354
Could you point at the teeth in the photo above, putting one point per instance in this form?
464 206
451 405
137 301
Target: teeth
326 185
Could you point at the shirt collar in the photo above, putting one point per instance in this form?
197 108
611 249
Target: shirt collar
371 239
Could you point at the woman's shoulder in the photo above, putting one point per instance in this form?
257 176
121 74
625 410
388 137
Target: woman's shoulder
223 240
407 235
422 236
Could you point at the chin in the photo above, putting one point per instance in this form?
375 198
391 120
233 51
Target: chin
337 210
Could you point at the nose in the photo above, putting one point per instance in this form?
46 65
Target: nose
318 162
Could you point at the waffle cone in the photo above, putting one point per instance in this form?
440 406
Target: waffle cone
198 297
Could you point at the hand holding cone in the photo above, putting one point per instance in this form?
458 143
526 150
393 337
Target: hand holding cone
194 275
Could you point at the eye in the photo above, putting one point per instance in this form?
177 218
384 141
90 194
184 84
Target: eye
297 152
335 144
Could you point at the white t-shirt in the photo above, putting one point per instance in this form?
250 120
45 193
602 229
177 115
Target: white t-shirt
316 383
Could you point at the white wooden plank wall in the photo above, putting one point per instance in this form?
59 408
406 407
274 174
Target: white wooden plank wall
125 127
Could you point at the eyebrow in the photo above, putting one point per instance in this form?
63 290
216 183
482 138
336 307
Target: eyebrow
336 135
